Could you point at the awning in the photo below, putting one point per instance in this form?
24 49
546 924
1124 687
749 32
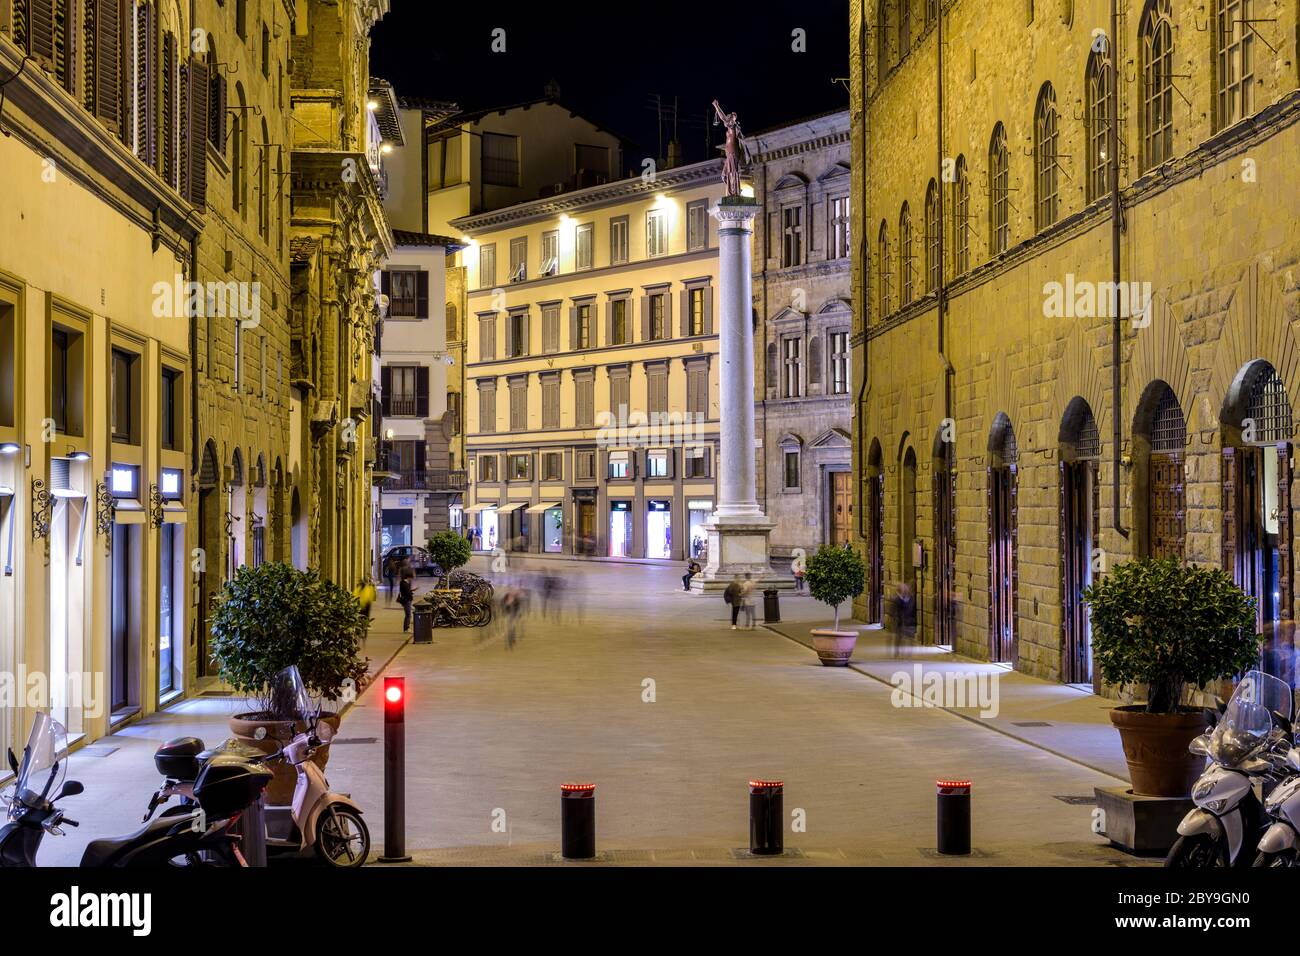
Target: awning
544 506
512 506
475 509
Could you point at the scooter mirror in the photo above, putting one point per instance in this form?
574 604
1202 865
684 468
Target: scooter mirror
13 761
1200 746
70 789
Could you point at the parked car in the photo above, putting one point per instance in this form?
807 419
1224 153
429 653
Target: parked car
419 558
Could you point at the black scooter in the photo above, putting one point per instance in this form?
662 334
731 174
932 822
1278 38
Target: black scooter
198 835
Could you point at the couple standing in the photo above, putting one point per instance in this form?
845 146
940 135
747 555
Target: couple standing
740 595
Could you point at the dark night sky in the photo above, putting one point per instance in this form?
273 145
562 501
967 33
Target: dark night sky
609 63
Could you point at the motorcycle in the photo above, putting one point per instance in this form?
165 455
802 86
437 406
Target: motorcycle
1280 845
202 835
318 818
1245 750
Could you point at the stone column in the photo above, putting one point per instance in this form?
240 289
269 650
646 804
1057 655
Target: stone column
738 529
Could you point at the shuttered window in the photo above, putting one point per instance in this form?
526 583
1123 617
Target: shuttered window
585 399
551 401
519 405
619 393
551 328
697 389
487 407
657 389
487 337
196 134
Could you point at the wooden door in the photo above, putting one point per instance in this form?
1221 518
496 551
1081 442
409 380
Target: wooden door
841 508
1167 505
586 543
876 547
1078 485
944 482
1002 564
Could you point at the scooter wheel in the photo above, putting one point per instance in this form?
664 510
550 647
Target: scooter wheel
1198 852
1281 858
342 839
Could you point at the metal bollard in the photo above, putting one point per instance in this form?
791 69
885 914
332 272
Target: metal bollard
394 771
578 821
767 817
422 624
954 817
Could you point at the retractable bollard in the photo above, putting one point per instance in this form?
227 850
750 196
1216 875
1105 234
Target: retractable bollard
954 817
253 836
766 817
578 821
394 771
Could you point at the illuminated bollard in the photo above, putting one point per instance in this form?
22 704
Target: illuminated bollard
954 817
578 821
766 817
394 771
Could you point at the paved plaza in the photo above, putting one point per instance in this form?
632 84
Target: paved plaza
492 731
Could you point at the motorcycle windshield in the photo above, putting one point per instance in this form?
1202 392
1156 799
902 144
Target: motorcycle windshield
1252 713
45 758
289 694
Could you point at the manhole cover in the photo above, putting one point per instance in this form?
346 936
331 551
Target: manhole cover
1030 723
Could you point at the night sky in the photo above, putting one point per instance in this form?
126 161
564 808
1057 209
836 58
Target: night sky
610 63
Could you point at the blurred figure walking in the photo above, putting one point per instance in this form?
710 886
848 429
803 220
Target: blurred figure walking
747 599
406 593
732 596
902 614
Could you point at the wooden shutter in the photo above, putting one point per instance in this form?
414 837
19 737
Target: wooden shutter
573 327
1229 504
708 309
422 295
196 135
146 90
1284 563
104 62
40 31
168 138
419 457
422 391
386 390
217 119
510 335
126 73
685 297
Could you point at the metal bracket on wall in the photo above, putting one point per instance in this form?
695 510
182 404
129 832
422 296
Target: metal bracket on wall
105 508
42 509
155 506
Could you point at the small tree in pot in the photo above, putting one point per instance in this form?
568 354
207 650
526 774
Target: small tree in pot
835 575
1167 625
274 616
450 551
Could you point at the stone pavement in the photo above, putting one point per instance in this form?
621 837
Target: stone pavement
492 732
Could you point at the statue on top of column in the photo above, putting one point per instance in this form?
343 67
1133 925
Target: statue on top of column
732 151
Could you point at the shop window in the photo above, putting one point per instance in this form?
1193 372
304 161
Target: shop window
172 425
697 463
657 463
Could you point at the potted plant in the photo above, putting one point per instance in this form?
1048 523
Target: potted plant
274 616
835 575
1167 625
450 551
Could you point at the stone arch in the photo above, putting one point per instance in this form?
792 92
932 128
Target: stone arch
1256 327
873 507
1077 376
1158 450
1159 355
209 467
1079 436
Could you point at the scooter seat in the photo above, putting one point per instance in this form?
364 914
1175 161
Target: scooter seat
104 852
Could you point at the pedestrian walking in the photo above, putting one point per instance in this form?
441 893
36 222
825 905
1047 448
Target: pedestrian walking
902 614
406 594
692 569
747 599
390 575
732 596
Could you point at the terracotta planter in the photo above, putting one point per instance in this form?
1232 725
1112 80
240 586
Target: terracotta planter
278 733
834 648
1155 746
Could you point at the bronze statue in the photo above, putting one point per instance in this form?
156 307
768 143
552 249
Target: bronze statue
731 160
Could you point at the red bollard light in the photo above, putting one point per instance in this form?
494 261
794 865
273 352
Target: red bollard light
394 771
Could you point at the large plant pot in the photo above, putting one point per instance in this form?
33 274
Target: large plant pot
278 733
1155 746
834 648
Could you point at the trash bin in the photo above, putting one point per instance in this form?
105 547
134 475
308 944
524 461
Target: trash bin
423 624
771 606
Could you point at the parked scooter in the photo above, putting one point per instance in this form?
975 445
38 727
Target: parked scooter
180 761
1280 845
329 823
1246 750
203 835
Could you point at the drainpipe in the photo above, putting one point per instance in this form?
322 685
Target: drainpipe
863 389
943 238
194 365
1116 231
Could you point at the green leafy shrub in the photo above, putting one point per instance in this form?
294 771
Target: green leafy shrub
450 551
274 616
1167 624
835 574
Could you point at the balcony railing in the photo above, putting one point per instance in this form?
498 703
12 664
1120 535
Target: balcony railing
402 406
412 480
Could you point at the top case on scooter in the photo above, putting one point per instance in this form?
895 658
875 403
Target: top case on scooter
228 784
178 759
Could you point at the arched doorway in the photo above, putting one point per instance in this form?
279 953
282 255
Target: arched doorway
1002 469
943 482
1159 450
907 518
210 532
1256 421
236 509
1080 524
260 512
298 534
875 508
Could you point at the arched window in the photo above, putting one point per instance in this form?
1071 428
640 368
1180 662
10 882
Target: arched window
961 217
814 359
904 27
882 39
1157 48
999 185
932 277
883 270
1099 87
1046 142
239 155
451 322
904 256
1234 61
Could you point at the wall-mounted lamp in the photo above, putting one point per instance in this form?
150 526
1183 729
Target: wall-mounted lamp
372 105
10 448
76 455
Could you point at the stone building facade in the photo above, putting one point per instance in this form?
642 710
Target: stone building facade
802 255
1077 308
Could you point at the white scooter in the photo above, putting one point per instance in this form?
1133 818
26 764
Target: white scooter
1280 845
328 822
1246 749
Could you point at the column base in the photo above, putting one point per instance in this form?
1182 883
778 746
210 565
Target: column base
739 547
